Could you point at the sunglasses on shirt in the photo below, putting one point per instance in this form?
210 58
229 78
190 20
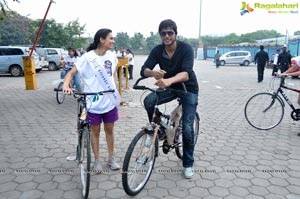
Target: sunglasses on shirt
169 32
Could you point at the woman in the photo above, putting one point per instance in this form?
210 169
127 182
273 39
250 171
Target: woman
68 64
97 68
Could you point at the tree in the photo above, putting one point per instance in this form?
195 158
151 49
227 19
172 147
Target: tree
4 7
74 32
137 42
15 29
122 40
152 41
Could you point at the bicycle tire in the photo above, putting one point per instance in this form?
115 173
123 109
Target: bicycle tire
85 161
134 163
178 136
60 96
264 111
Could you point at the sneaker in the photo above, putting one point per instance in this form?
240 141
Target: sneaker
188 172
112 163
97 166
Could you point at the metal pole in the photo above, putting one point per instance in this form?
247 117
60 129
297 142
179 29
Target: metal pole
40 29
200 42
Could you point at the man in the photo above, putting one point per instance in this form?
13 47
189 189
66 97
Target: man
217 58
275 60
261 59
284 60
175 59
293 71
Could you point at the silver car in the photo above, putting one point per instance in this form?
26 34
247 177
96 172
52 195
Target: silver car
54 57
11 60
243 58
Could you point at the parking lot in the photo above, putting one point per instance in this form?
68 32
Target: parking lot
232 159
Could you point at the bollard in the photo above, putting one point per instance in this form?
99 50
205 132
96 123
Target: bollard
29 73
122 62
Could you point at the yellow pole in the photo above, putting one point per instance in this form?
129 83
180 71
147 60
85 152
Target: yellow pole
126 72
29 73
120 79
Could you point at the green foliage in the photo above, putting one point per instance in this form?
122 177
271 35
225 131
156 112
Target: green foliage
235 39
20 30
122 40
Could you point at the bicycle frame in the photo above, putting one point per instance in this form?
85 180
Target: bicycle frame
280 90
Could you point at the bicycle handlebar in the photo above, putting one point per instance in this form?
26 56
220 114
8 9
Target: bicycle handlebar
75 92
139 87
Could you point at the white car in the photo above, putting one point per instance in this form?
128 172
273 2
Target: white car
243 58
11 60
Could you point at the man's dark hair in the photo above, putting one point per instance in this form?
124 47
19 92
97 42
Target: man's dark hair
168 23
261 47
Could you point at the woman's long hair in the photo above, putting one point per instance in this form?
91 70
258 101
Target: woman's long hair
102 33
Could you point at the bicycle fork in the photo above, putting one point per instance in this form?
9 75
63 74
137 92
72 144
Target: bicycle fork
152 144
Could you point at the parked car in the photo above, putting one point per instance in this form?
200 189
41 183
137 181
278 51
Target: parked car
52 56
243 58
11 60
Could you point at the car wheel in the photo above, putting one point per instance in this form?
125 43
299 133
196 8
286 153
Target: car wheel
15 71
246 63
38 70
52 66
222 63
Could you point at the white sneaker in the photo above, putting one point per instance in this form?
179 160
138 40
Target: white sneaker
97 166
112 163
188 172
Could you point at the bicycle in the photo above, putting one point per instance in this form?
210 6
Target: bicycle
265 110
143 149
83 150
60 96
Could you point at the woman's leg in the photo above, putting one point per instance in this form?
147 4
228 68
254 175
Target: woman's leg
109 132
76 79
95 129
63 74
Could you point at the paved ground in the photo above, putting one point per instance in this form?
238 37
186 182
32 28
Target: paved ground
232 159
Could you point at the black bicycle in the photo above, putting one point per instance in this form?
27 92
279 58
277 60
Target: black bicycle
60 96
265 110
143 149
83 150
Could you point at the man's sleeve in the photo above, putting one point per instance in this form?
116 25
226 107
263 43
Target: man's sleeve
188 59
151 61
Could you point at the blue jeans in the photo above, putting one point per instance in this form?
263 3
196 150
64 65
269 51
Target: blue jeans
76 78
189 107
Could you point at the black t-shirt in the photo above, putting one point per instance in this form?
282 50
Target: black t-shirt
181 61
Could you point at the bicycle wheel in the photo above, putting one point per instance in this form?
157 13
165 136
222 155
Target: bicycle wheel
60 96
85 161
137 168
264 111
178 136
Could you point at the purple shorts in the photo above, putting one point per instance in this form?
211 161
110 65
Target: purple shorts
111 116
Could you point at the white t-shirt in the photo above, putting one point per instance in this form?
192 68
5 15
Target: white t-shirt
90 79
275 58
130 56
70 62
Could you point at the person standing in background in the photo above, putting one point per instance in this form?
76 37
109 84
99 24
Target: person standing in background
261 59
217 58
130 56
284 60
275 60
